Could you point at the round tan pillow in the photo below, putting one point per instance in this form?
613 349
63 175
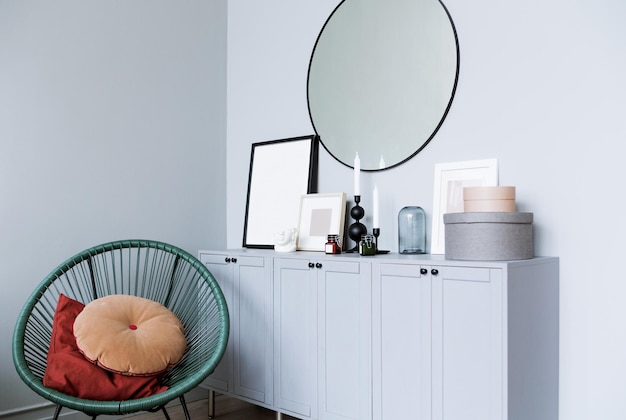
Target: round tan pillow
129 335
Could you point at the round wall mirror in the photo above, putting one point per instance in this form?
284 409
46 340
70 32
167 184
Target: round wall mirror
381 79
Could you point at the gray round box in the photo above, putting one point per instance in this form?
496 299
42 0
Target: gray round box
489 236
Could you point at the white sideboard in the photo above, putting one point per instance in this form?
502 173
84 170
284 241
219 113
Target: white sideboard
391 336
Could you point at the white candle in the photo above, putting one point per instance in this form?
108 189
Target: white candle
357 175
376 221
381 163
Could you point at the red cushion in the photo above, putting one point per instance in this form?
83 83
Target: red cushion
69 372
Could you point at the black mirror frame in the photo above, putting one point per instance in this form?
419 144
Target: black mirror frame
438 125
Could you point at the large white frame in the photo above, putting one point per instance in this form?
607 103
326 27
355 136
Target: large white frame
320 215
450 179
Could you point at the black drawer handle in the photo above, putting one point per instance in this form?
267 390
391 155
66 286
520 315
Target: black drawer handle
227 259
311 265
423 271
318 265
434 271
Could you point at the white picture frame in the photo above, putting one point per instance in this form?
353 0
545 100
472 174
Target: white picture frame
320 215
450 179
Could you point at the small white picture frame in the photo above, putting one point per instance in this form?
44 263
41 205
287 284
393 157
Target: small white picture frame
320 215
450 179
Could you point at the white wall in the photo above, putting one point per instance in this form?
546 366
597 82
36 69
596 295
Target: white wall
541 88
112 126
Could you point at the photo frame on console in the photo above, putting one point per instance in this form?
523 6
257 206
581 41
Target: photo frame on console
320 215
450 179
281 171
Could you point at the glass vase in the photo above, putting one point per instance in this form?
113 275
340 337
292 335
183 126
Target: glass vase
412 230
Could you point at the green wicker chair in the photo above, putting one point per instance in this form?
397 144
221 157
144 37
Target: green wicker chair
149 269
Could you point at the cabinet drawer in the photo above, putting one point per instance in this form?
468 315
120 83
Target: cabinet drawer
213 258
400 270
342 267
466 273
234 258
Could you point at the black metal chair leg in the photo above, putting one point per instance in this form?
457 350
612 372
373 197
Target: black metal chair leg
57 411
167 416
184 404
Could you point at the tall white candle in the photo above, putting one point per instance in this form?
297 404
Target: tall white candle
357 174
375 213
381 163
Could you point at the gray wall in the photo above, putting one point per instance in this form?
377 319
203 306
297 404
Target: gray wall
112 125
541 89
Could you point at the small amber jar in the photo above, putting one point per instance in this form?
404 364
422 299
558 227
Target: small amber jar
333 246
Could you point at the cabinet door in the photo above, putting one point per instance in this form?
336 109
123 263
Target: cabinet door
468 344
401 342
252 328
295 337
222 269
344 292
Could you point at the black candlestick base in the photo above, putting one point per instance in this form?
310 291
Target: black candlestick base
376 232
356 229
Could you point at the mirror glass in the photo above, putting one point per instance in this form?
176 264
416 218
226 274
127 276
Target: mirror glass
381 79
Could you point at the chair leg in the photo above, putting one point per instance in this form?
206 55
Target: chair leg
211 404
57 411
167 416
184 404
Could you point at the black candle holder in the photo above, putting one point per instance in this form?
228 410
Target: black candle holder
376 232
356 229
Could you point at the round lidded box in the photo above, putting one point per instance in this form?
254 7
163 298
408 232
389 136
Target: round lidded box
488 236
489 199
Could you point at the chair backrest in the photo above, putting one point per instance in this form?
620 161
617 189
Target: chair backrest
150 269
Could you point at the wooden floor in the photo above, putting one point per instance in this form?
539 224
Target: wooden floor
226 408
